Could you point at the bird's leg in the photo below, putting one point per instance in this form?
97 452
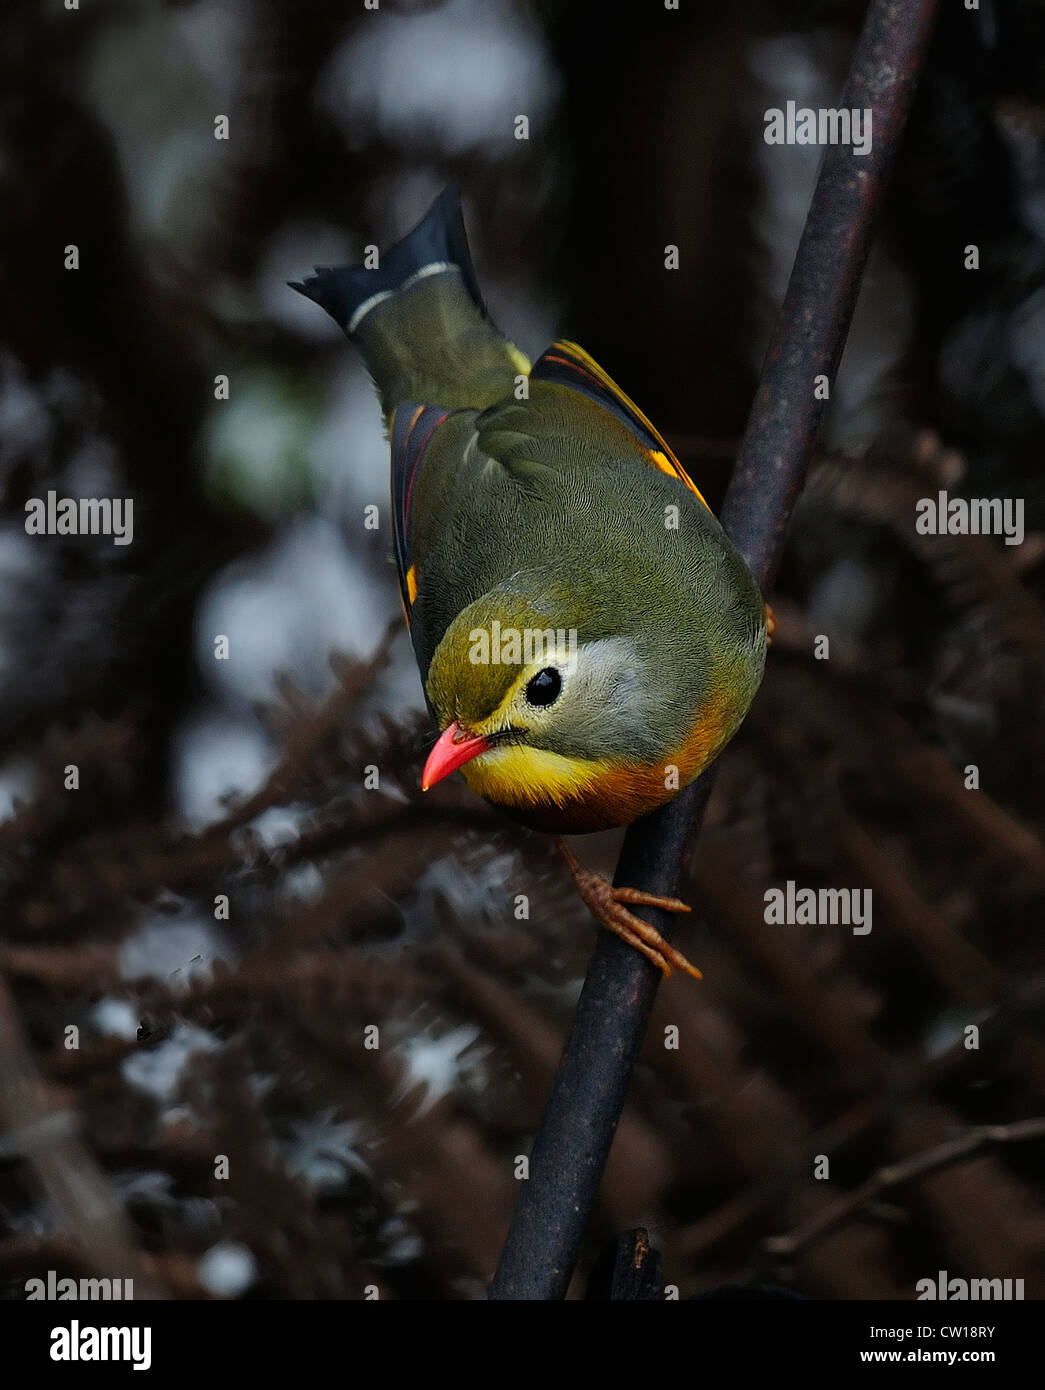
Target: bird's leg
607 905
770 625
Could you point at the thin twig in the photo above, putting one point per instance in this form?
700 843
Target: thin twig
956 1150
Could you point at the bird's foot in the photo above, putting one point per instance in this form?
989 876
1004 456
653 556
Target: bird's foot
608 905
770 625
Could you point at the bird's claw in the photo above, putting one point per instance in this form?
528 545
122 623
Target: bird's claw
607 905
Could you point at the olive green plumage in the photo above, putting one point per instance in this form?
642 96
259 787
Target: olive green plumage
556 510
472 366
550 506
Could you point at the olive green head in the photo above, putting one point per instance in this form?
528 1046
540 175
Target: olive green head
527 664
578 712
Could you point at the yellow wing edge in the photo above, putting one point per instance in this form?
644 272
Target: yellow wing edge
662 458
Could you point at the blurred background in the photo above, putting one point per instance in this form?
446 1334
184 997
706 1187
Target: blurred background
194 941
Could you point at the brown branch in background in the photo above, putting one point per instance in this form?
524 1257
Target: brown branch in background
312 730
728 1098
908 1170
824 705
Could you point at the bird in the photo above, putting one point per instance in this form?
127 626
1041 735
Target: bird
588 637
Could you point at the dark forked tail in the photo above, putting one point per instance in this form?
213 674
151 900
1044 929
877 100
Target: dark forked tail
419 318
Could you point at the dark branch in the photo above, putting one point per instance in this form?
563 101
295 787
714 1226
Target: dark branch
587 1097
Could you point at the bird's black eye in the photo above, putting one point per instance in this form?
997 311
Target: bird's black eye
544 687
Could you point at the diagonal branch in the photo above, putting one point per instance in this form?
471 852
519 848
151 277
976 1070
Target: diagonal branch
571 1148
966 1145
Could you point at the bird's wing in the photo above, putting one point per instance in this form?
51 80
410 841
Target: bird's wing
413 427
566 364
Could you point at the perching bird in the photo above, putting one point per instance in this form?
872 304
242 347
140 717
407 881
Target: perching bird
587 636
